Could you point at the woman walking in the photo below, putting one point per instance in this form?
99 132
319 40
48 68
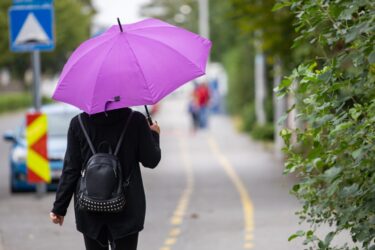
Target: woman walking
140 144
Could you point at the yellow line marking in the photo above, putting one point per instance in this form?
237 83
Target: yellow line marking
181 208
175 232
170 241
248 208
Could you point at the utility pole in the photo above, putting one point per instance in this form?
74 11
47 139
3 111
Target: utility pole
204 26
35 62
41 187
260 80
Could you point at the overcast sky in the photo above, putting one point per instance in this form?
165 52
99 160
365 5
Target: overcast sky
109 10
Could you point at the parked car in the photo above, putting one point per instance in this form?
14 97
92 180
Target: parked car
58 117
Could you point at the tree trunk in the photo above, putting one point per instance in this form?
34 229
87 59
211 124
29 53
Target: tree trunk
260 85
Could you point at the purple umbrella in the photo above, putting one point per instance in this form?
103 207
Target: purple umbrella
131 65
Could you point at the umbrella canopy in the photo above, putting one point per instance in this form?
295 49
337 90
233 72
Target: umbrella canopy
138 66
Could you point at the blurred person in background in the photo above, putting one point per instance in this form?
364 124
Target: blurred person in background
215 100
202 93
194 108
140 145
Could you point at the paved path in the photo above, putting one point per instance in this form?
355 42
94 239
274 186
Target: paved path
213 190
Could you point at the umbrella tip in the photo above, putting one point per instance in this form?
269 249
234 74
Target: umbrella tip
119 24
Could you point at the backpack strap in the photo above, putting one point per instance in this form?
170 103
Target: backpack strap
123 133
86 134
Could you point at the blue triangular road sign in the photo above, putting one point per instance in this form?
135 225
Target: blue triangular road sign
31 28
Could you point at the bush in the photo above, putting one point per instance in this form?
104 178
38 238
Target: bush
335 101
15 101
248 117
239 65
264 132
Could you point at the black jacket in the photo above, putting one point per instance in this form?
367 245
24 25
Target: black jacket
140 145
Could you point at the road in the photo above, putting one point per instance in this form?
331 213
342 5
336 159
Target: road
213 190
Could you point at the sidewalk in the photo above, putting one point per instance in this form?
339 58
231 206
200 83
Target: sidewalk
213 190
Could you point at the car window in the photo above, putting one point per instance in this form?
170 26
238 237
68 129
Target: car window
58 124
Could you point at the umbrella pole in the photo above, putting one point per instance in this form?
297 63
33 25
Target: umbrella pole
148 116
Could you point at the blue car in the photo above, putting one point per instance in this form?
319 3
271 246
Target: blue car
58 116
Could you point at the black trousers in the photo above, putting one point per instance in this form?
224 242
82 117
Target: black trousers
129 242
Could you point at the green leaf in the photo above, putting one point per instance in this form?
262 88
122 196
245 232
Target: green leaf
371 57
351 35
342 126
281 5
321 245
357 153
347 13
328 239
282 119
351 190
296 187
296 235
310 234
331 173
355 113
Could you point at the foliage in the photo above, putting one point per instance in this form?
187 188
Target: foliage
239 65
72 23
173 12
223 31
271 33
274 29
264 132
248 116
15 101
335 102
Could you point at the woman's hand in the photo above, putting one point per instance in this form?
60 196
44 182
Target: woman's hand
155 127
57 219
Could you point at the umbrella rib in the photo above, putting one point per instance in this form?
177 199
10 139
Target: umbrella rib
151 90
100 68
86 52
171 48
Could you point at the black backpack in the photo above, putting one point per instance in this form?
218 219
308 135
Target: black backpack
102 186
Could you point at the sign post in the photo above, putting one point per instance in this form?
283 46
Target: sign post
41 187
35 60
32 30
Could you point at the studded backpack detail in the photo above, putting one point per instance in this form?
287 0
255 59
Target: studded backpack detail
102 185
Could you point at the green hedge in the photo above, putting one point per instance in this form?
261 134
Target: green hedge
263 133
16 101
335 102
